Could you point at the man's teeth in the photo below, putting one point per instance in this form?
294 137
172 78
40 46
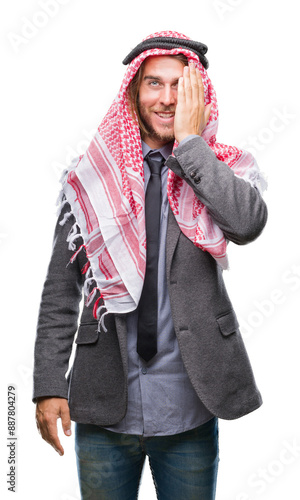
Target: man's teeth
165 115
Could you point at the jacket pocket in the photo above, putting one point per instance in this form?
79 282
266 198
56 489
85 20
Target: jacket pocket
228 323
87 333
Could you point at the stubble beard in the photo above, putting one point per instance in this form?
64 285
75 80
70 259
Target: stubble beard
167 136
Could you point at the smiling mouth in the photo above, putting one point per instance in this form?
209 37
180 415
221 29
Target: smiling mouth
165 115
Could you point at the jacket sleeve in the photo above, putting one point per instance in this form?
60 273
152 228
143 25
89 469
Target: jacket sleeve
234 204
58 316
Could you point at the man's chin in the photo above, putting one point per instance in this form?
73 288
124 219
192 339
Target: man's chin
161 136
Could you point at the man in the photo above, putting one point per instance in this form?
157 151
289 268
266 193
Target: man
159 356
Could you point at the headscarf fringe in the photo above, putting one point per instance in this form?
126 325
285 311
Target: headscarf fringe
85 267
101 323
73 235
96 308
76 253
91 296
65 218
88 282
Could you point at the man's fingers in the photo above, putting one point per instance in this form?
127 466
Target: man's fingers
200 86
53 438
47 425
191 84
194 82
48 410
65 419
207 112
180 93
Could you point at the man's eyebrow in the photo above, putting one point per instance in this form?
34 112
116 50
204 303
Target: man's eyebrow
151 77
158 78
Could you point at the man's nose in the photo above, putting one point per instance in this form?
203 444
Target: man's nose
168 95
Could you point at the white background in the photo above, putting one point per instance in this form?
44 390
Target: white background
58 81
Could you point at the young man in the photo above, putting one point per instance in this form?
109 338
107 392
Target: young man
159 355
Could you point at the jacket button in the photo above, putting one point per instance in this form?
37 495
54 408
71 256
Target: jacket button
197 179
193 173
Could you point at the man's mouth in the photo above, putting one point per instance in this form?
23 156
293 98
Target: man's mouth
165 115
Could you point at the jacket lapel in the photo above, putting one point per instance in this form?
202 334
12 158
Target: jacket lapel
173 233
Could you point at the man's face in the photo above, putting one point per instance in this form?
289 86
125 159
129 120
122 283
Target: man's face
158 98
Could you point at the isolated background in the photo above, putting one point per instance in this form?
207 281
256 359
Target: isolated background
56 87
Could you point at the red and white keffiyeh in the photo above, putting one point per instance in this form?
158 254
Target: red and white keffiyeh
105 188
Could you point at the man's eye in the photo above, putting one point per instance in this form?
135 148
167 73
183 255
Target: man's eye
154 84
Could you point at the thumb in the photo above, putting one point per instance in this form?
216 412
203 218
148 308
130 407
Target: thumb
65 419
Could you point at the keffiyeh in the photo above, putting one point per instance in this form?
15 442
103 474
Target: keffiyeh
105 188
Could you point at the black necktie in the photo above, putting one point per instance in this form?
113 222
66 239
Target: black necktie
147 320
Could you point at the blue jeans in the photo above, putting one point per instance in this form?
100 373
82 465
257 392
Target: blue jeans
184 466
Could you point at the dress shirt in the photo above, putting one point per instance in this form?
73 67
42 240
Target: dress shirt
161 398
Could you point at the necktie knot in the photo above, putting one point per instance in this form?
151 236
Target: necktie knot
156 164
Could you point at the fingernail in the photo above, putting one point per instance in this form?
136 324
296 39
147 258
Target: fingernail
68 432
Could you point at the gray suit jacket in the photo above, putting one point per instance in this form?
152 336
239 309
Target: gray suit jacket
205 323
